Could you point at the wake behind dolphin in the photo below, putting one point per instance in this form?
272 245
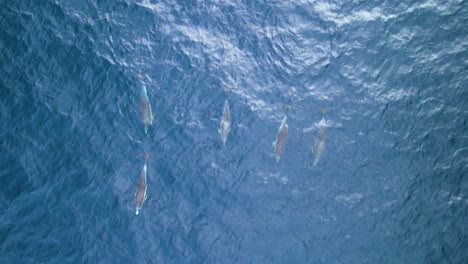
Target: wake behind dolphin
319 146
225 126
145 107
141 195
280 143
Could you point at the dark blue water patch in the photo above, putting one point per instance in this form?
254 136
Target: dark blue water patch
14 185
39 211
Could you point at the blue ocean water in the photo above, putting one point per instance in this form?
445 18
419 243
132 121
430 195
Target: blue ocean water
387 79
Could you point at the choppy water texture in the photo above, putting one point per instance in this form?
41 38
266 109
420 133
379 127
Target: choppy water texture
391 186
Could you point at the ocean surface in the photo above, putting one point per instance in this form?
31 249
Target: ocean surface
387 80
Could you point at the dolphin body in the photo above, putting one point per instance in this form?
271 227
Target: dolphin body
145 107
225 126
141 195
319 146
280 143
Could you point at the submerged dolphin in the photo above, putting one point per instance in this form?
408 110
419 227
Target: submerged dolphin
225 126
280 143
319 146
145 107
141 195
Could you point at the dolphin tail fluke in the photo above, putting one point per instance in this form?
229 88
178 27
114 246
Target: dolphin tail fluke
227 88
137 212
324 110
146 155
315 162
143 76
287 106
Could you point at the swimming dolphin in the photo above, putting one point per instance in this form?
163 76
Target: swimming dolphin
141 195
280 143
225 126
319 146
145 107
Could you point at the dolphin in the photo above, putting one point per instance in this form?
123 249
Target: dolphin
319 146
225 126
280 143
145 107
141 195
